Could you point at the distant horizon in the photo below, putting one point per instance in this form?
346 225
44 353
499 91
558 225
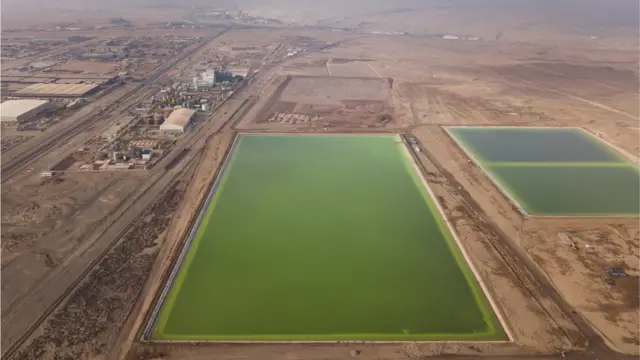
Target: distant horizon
617 17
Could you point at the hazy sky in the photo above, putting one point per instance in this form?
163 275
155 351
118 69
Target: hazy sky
576 13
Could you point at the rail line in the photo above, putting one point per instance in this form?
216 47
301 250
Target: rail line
236 116
160 174
16 165
13 348
21 161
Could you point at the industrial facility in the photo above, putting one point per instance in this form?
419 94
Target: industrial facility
207 79
241 71
17 111
178 121
58 90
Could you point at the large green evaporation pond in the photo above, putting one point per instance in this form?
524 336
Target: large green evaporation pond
323 237
555 171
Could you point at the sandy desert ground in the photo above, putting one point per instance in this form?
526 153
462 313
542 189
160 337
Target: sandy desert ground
120 233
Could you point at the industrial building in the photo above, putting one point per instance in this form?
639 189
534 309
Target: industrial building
58 90
178 121
16 77
12 111
206 79
239 71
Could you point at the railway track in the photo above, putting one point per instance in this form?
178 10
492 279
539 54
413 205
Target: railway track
205 137
195 148
161 180
20 162
158 185
13 348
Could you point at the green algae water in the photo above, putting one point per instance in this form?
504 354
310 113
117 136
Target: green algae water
576 190
523 144
323 237
555 171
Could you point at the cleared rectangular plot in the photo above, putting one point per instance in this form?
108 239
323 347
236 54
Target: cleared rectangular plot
318 237
333 90
508 144
554 171
576 190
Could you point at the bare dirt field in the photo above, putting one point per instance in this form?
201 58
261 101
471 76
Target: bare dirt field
496 85
552 296
350 68
456 83
332 90
576 274
310 102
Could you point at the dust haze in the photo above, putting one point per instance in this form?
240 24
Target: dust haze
119 115
489 18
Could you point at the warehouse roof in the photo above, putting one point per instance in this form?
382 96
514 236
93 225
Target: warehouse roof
57 89
15 108
180 117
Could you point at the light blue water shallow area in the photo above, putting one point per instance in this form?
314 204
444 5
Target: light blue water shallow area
510 144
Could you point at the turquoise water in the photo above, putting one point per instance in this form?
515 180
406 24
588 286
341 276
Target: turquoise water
323 238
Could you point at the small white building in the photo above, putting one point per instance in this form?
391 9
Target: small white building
178 121
206 79
22 110
239 71
209 76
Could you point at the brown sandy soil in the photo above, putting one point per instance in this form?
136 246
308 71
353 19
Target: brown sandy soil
81 326
435 82
452 84
51 230
49 227
575 274
306 66
214 142
496 84
347 68
327 103
331 90
272 85
340 351
173 239
601 98
532 317
130 242
54 233
613 309
10 141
